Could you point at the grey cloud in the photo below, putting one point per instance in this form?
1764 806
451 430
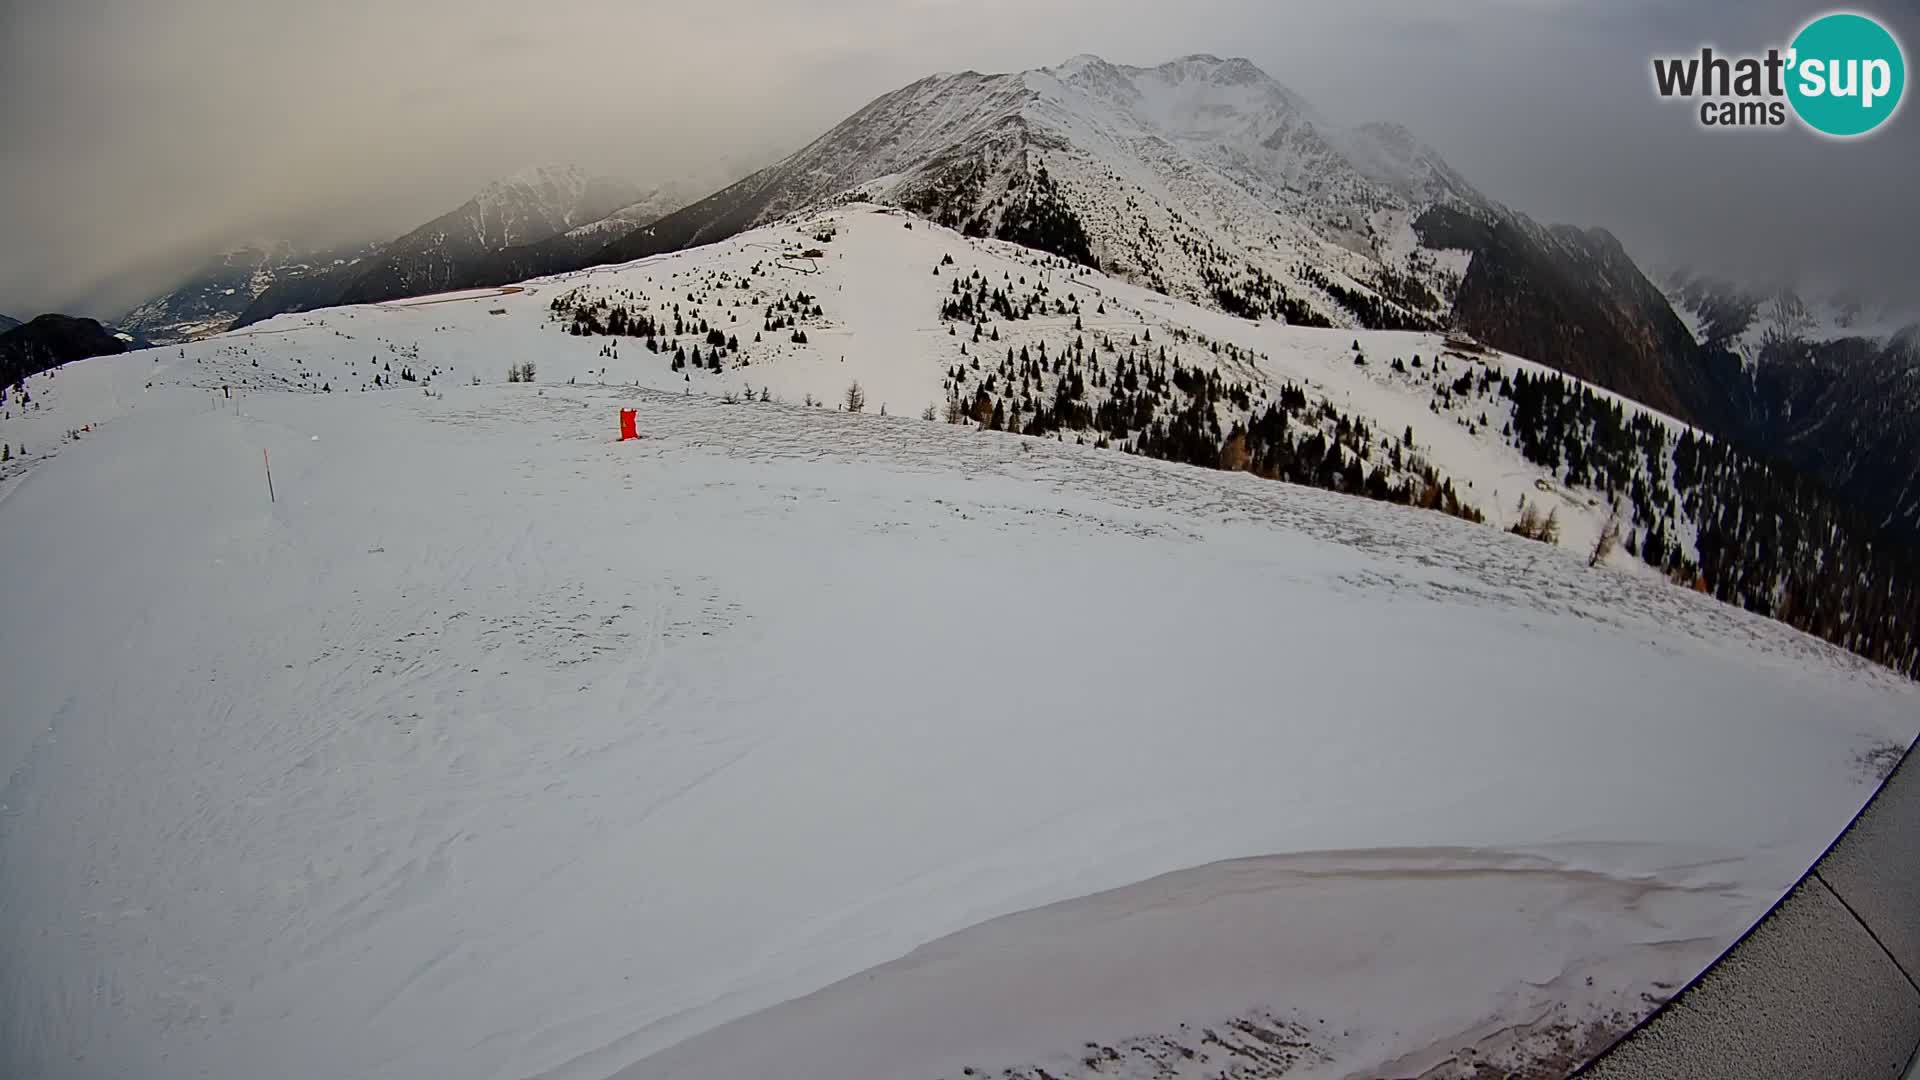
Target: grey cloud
143 135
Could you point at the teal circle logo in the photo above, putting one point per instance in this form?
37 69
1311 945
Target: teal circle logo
1846 75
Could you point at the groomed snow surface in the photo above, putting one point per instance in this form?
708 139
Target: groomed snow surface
785 742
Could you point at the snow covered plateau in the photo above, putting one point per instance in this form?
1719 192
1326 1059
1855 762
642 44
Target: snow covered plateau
790 742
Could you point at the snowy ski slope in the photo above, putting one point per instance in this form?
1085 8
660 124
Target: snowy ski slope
493 747
879 327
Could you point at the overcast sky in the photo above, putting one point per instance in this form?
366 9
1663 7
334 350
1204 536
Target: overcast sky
139 134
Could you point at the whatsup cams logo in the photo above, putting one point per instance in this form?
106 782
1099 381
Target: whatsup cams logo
1842 76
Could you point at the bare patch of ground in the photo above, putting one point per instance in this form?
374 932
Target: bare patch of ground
1878 763
1547 1050
1262 1045
1258 1045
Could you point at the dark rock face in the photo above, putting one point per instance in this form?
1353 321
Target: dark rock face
1572 299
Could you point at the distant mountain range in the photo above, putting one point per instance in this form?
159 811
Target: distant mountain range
571 210
1827 384
7 323
523 209
1745 320
220 290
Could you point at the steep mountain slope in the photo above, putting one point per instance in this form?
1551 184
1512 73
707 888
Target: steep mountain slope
1848 412
517 212
520 210
1202 178
570 250
47 341
565 752
1746 320
645 210
1574 299
1828 385
216 294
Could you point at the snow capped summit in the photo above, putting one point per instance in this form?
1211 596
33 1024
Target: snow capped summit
531 205
571 178
547 193
648 208
1747 319
1196 97
1391 156
1202 177
1211 68
1076 64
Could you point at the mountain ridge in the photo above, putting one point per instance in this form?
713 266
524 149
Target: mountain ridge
50 340
970 149
1826 384
214 294
525 208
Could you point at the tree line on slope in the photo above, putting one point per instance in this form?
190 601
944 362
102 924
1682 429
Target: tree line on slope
1141 399
1711 517
1749 533
1765 537
624 314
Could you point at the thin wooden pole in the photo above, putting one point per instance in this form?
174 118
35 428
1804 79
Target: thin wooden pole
268 462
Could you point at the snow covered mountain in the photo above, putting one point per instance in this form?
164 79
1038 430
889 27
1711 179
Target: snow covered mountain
214 296
1207 180
523 209
1746 320
709 751
1575 300
645 210
1827 384
1202 177
518 211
